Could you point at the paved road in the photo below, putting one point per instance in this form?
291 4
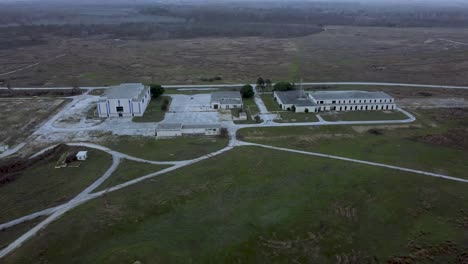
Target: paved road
86 195
306 83
328 83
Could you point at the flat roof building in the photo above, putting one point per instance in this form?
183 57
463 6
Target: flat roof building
300 101
226 100
179 129
124 100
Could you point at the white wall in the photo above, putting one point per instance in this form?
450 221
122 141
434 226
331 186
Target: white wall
130 108
168 133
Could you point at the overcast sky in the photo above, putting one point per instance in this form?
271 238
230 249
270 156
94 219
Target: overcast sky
442 2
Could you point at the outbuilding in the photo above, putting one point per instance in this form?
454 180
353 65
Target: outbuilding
169 130
226 100
82 155
200 129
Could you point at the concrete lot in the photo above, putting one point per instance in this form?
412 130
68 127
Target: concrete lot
191 109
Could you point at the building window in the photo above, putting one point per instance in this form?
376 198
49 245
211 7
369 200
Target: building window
321 102
333 102
119 109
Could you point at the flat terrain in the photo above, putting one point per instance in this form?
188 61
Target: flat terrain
129 170
253 205
42 186
17 123
363 115
11 234
181 148
436 142
153 111
411 55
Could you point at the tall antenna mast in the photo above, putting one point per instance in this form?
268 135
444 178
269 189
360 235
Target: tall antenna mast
302 90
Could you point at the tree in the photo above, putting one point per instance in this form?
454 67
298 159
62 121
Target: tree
268 84
283 86
156 90
247 91
261 83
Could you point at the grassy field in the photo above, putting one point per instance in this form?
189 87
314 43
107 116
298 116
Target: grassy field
432 144
253 205
270 103
337 54
16 120
153 112
181 148
43 186
11 234
129 170
291 117
363 115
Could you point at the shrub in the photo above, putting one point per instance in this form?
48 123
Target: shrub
223 133
283 86
247 91
258 120
156 90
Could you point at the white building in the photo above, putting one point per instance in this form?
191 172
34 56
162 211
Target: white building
125 100
169 130
226 100
82 155
178 129
299 101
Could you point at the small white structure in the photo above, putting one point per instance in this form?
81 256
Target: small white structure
226 100
178 129
242 116
302 102
82 155
125 100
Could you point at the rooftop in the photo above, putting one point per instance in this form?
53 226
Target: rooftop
208 126
344 95
82 153
169 126
126 91
294 97
226 97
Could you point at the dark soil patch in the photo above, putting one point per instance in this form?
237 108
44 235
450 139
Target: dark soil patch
454 138
11 169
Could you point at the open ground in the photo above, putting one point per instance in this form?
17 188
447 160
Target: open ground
408 55
279 196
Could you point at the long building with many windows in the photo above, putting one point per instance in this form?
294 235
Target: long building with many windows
303 102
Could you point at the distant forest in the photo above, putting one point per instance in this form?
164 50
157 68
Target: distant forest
319 13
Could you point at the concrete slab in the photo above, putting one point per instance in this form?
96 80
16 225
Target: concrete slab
191 109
